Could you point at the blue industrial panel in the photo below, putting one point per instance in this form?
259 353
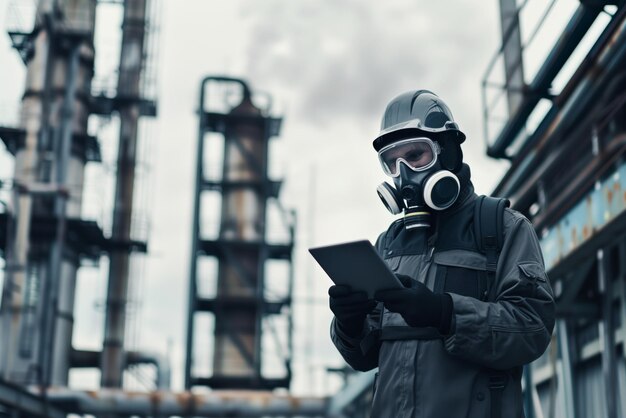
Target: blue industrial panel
588 217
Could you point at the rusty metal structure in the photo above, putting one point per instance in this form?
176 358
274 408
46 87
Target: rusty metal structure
128 102
44 238
565 137
44 235
236 293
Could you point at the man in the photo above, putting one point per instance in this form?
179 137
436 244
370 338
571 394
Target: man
452 343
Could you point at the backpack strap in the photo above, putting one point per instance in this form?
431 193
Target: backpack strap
489 233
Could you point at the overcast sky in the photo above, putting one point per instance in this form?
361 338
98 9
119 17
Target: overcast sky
331 67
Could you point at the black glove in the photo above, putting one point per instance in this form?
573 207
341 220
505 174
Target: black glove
418 305
350 308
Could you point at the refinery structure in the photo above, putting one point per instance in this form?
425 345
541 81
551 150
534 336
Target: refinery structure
561 125
558 119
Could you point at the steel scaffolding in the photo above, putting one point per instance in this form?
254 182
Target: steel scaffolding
567 176
43 237
242 310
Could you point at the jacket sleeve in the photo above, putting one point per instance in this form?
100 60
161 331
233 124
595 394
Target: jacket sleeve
350 348
516 327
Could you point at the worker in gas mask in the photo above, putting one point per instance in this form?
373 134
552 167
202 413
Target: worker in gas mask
476 304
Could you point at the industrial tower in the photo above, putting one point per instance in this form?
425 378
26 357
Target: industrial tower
44 239
244 314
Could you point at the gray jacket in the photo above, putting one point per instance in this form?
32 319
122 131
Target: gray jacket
449 376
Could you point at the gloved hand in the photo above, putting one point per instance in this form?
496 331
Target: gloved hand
418 305
350 308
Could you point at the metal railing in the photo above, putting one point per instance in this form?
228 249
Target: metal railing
554 30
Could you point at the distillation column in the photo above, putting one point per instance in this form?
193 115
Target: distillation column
243 219
128 97
38 294
240 306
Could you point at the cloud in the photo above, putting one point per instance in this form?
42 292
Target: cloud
346 60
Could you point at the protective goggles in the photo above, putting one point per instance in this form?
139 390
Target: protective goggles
418 154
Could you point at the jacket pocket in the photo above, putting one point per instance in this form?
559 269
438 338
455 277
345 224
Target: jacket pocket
463 282
533 270
461 272
535 276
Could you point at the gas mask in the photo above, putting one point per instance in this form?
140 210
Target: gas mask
422 185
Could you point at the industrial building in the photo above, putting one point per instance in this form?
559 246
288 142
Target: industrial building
563 132
557 118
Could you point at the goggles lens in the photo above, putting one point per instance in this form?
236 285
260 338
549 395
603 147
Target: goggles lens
417 153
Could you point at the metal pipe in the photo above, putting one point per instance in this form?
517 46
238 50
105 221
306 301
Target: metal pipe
575 96
128 95
49 344
577 27
581 98
211 404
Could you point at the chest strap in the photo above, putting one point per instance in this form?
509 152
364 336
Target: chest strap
398 333
409 333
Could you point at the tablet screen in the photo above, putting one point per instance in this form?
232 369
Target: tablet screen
356 264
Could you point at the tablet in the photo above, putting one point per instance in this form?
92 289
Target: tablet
356 264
